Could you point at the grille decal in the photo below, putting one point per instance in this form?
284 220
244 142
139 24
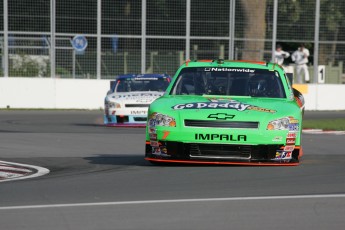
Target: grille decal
222 124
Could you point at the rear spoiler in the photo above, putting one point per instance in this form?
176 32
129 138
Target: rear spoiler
112 84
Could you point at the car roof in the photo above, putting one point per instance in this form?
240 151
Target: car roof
233 63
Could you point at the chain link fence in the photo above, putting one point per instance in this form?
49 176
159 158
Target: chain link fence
157 36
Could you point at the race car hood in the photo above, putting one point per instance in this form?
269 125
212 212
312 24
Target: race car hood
134 97
224 108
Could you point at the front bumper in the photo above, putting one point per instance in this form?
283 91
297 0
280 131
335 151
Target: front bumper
199 153
125 121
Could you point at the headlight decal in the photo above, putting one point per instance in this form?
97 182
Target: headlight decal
111 104
158 119
285 123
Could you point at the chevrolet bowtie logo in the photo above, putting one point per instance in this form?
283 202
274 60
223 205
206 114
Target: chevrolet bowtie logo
221 116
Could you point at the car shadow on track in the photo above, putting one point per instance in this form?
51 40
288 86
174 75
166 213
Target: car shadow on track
124 160
138 160
88 125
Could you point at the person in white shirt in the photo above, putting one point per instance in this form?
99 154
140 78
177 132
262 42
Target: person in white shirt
300 57
280 55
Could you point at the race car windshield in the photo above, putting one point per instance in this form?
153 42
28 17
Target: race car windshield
141 84
229 82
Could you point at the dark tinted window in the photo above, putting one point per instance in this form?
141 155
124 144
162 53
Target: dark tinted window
141 84
228 82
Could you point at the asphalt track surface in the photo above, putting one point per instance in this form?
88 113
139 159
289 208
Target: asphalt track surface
99 180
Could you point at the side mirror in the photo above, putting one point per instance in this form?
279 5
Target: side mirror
112 86
299 99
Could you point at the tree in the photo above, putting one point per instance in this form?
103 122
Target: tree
255 28
332 20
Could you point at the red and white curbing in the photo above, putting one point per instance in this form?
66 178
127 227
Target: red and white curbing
10 171
321 131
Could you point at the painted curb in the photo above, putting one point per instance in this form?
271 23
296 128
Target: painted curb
10 171
320 131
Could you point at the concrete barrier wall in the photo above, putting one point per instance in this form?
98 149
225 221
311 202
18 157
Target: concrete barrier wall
57 93
323 96
52 93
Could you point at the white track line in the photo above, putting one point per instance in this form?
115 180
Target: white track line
40 171
175 201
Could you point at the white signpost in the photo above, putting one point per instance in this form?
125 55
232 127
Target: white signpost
321 74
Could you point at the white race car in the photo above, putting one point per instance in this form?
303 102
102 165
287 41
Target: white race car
129 97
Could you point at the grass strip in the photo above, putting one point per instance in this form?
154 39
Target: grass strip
325 124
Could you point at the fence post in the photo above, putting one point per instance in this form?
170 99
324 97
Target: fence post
52 38
73 63
232 29
99 38
274 31
221 51
143 36
181 57
316 40
5 45
188 5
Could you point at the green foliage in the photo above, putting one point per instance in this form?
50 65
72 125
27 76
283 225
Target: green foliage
332 13
293 9
24 68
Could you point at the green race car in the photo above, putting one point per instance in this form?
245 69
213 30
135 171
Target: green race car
226 112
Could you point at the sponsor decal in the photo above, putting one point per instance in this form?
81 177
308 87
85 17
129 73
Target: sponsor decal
221 104
152 130
145 78
164 149
220 99
261 109
160 151
290 141
221 116
144 100
283 155
165 134
294 127
229 70
291 135
139 112
277 138
153 136
138 96
293 120
212 105
154 143
219 137
289 148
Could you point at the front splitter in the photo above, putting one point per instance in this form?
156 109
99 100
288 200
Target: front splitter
128 125
222 162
